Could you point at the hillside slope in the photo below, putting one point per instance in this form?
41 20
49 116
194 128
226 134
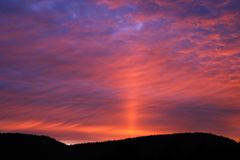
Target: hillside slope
189 146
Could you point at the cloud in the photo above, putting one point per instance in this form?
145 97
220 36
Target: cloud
98 70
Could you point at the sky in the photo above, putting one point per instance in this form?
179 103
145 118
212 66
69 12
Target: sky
95 70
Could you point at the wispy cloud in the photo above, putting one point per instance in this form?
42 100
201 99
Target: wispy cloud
98 70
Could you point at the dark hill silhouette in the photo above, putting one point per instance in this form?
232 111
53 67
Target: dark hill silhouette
24 146
186 146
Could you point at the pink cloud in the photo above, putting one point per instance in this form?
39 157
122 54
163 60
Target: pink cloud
123 71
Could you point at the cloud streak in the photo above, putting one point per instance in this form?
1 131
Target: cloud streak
97 70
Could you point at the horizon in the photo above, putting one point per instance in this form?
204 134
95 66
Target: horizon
121 139
95 70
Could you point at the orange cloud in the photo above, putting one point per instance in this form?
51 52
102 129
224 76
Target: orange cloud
102 70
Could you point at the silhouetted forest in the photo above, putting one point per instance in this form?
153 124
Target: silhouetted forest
187 146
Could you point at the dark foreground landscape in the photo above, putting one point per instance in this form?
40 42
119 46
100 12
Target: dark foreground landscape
190 146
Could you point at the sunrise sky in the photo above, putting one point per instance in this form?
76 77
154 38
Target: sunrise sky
94 70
